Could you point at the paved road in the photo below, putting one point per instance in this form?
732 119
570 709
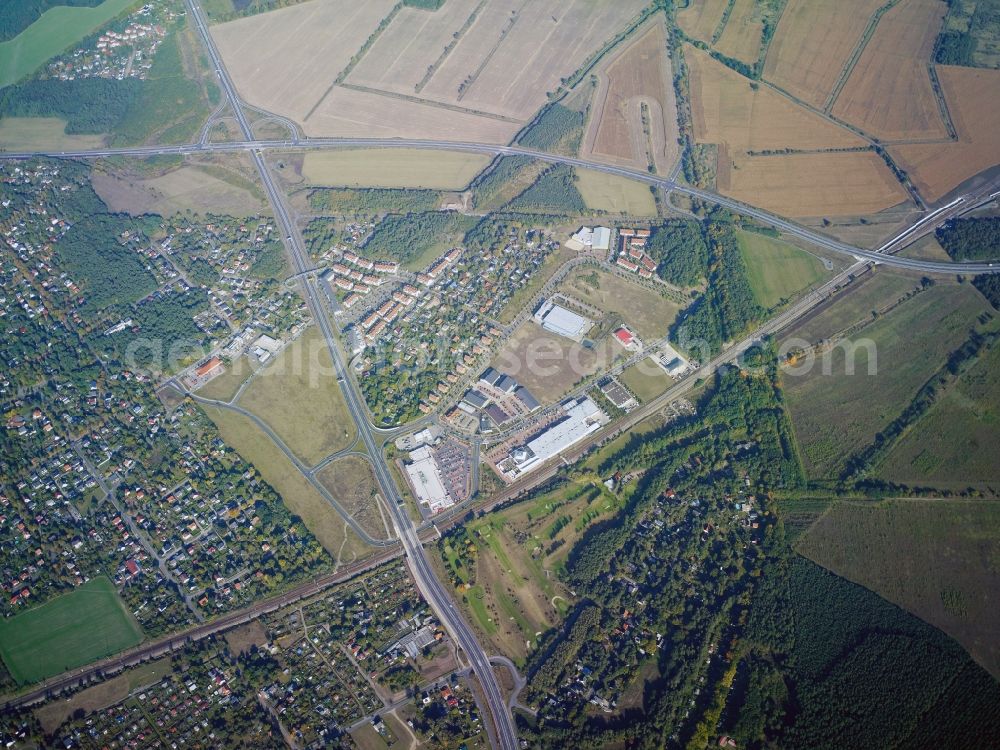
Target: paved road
667 183
428 584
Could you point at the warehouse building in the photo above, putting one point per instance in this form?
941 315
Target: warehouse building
425 478
582 417
558 320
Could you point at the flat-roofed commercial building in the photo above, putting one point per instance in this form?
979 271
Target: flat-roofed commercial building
582 417
557 319
425 478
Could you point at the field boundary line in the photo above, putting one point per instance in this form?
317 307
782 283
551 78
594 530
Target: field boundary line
430 103
356 57
721 27
469 82
432 69
942 103
859 49
765 44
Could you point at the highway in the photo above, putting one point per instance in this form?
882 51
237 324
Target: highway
427 583
669 184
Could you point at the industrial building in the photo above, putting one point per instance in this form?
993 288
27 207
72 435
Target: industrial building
557 319
582 417
598 238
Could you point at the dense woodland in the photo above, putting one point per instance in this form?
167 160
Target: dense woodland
971 239
405 237
554 192
17 15
681 253
558 128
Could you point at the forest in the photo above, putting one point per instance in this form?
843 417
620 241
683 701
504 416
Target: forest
19 15
971 239
557 128
554 193
405 237
372 201
680 251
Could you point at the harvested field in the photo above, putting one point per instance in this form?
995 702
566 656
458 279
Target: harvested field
743 33
352 482
637 77
350 112
813 42
889 92
937 168
285 60
701 17
392 168
299 398
935 558
548 42
189 188
42 133
619 195
843 184
726 110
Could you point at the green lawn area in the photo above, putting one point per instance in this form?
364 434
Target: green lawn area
776 270
646 380
297 394
69 631
955 444
935 558
835 413
56 30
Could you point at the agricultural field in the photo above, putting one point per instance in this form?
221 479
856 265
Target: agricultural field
700 18
634 118
413 72
511 559
352 483
934 558
298 495
298 396
938 168
57 29
812 43
743 33
889 93
392 168
954 444
550 365
192 187
40 133
76 628
815 185
835 413
614 194
726 109
776 270
645 311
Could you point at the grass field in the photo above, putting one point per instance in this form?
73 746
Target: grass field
300 497
742 35
614 194
392 168
69 631
297 394
189 188
646 380
955 444
835 414
888 93
518 552
55 31
41 133
352 482
648 313
937 168
935 558
776 270
926 248
223 387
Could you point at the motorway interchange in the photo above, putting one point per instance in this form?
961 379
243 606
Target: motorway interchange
503 733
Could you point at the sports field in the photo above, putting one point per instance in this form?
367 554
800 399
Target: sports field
776 270
55 31
69 631
297 394
834 414
614 194
935 558
392 168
